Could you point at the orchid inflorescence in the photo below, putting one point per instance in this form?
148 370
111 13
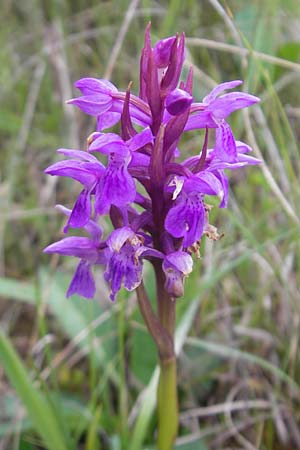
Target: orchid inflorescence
163 220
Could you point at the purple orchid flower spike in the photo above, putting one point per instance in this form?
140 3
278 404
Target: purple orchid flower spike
156 199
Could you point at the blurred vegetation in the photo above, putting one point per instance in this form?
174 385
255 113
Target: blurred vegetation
81 375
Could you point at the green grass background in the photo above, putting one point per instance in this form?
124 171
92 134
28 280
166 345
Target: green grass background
81 375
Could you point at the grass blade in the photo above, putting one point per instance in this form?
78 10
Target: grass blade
37 405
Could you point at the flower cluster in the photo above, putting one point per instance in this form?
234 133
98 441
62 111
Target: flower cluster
155 198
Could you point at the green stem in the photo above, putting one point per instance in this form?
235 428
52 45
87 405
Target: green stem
167 405
161 329
167 399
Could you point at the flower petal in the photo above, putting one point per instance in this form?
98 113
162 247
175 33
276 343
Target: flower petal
117 187
92 227
204 183
201 119
124 265
176 266
82 282
221 88
178 101
162 51
140 139
78 154
225 187
107 120
225 146
118 237
186 219
228 103
80 247
90 86
92 104
108 143
81 212
86 173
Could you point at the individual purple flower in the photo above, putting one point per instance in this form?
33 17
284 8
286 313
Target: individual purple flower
215 110
88 251
216 166
102 99
186 218
86 169
124 259
176 266
117 186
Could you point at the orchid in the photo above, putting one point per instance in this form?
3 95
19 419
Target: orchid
155 198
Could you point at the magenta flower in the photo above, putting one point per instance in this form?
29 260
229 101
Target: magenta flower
156 201
90 253
124 259
215 111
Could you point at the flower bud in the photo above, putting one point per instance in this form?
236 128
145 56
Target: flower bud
176 266
162 52
178 101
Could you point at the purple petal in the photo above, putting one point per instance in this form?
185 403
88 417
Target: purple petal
205 183
162 51
90 86
228 103
221 88
225 187
94 105
124 265
86 173
178 101
81 212
118 238
242 147
140 139
82 282
107 120
133 277
138 115
94 230
180 261
117 187
80 247
201 119
225 146
108 143
246 160
186 219
242 161
176 266
172 74
114 277
78 154
139 159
